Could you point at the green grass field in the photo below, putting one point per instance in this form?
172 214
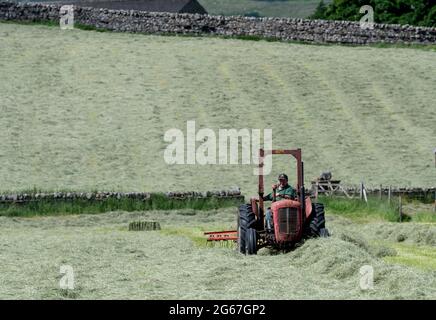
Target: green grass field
110 262
83 110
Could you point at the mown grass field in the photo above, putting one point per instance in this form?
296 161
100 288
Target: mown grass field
110 262
83 110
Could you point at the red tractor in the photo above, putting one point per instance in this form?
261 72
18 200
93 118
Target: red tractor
293 220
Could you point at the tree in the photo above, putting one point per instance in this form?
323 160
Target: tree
413 12
319 11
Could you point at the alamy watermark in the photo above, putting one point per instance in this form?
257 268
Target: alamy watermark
220 148
66 21
67 279
367 21
366 277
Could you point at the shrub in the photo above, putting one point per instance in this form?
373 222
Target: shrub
413 12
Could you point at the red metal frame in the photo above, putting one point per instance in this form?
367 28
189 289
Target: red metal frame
233 234
222 235
296 153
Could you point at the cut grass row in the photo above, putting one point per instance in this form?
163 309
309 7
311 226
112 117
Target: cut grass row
421 257
145 261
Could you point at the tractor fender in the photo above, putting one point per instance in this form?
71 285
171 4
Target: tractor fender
255 208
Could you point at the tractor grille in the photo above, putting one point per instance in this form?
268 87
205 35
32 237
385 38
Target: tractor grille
288 221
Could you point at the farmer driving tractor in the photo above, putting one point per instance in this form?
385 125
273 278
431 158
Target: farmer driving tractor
292 216
282 190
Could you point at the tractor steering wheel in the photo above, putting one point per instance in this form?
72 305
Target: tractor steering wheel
285 196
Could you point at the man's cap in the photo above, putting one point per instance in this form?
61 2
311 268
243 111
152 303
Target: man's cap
283 176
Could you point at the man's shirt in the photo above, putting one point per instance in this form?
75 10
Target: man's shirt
287 190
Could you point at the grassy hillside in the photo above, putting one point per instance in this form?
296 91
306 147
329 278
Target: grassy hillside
87 110
110 262
286 8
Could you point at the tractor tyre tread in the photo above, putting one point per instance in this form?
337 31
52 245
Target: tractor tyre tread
317 222
246 219
251 241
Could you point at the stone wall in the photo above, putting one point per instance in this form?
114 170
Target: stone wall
101 195
318 31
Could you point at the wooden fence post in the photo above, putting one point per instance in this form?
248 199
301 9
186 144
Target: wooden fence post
434 151
389 195
434 207
400 209
381 192
363 192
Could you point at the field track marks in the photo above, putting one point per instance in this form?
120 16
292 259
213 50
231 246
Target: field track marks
360 145
420 92
355 88
302 117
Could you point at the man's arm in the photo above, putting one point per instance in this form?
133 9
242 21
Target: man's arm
293 193
289 194
285 196
268 197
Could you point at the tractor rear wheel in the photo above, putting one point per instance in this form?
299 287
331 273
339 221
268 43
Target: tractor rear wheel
251 241
316 227
246 220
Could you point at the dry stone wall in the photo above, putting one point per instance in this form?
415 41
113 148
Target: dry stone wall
101 195
317 31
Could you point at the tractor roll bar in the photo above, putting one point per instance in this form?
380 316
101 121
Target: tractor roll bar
296 153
